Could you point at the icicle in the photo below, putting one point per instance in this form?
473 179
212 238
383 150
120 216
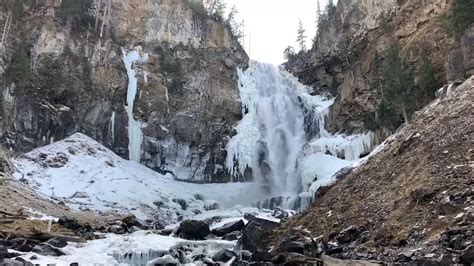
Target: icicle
135 134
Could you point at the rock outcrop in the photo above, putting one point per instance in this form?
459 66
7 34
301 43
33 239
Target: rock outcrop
62 71
357 37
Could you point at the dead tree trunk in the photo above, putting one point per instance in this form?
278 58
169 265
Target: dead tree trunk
97 15
6 29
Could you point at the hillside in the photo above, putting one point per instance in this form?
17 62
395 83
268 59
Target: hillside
413 199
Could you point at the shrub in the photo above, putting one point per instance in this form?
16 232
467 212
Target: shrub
19 70
459 17
385 25
428 78
78 11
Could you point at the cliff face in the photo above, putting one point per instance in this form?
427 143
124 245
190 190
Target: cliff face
360 33
63 73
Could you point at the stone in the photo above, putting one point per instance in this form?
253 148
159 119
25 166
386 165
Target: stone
47 250
57 242
211 205
131 221
3 252
232 236
279 213
245 254
261 256
116 229
254 234
467 255
224 255
10 262
182 203
348 235
165 260
229 228
193 230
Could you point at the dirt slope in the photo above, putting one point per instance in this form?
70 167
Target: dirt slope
416 188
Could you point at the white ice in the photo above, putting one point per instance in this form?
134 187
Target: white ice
86 175
135 134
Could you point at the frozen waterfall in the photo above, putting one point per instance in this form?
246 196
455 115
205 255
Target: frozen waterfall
271 134
135 134
282 141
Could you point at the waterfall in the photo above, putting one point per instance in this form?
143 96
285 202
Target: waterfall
135 134
271 134
282 140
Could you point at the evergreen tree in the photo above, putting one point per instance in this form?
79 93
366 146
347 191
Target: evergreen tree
235 27
459 17
318 12
398 84
301 38
217 9
289 53
330 8
427 74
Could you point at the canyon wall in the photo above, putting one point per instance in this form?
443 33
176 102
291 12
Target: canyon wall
358 36
62 71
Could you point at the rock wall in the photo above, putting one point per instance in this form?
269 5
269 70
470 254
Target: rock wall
345 50
65 74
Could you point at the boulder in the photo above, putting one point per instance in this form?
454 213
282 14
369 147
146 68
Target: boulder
232 236
165 260
224 255
47 250
467 256
57 242
182 203
348 235
193 230
116 229
279 213
3 252
254 234
229 228
10 262
131 221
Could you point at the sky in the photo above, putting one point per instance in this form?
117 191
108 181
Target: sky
270 25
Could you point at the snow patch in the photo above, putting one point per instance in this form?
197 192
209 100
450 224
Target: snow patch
108 182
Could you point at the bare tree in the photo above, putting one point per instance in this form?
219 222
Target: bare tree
6 30
97 14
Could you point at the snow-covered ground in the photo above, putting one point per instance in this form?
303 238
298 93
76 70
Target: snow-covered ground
86 175
138 248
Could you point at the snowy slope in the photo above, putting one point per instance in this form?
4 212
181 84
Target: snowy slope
86 175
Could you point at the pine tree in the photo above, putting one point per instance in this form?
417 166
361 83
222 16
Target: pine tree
289 53
318 12
330 8
216 9
398 84
427 74
301 38
459 17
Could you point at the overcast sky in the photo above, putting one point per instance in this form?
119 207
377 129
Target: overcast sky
271 25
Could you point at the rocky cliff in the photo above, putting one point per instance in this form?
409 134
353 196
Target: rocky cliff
62 71
353 40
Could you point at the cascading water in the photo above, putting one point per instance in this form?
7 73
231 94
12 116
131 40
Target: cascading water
135 134
271 134
282 138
